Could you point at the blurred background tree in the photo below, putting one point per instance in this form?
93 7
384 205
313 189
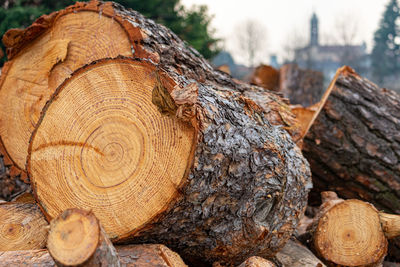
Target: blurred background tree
192 25
386 51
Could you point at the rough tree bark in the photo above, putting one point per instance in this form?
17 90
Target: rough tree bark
130 256
216 182
22 226
55 45
301 86
353 142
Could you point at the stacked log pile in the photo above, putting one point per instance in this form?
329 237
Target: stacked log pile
130 142
301 86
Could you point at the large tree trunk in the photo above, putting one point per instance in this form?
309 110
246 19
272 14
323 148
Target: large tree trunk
22 226
130 256
201 168
353 144
56 45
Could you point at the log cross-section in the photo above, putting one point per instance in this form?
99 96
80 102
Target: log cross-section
76 238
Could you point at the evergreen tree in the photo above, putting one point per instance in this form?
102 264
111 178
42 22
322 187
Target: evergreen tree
192 25
386 50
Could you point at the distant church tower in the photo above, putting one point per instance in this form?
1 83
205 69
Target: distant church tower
314 30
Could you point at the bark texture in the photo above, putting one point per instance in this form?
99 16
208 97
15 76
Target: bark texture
353 146
247 187
10 185
301 86
147 40
249 180
130 256
294 254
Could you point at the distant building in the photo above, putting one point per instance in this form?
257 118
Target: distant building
328 58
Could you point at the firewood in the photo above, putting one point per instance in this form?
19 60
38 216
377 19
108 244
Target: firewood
301 86
257 262
266 77
56 45
352 232
22 226
76 238
212 173
295 254
353 144
148 255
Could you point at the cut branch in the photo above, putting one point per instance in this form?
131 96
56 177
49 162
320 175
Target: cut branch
77 239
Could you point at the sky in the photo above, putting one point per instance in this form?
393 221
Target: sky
286 22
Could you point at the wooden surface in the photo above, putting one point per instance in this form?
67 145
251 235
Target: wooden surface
158 187
22 226
57 44
77 239
349 233
110 150
300 86
130 256
257 262
220 112
294 254
353 144
266 77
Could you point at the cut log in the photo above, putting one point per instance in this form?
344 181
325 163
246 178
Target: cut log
301 86
257 262
22 226
76 238
130 256
353 142
295 254
352 232
266 76
212 180
55 45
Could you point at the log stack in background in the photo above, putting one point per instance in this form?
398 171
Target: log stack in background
162 148
301 86
122 118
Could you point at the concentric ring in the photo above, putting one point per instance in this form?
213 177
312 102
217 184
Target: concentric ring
101 144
